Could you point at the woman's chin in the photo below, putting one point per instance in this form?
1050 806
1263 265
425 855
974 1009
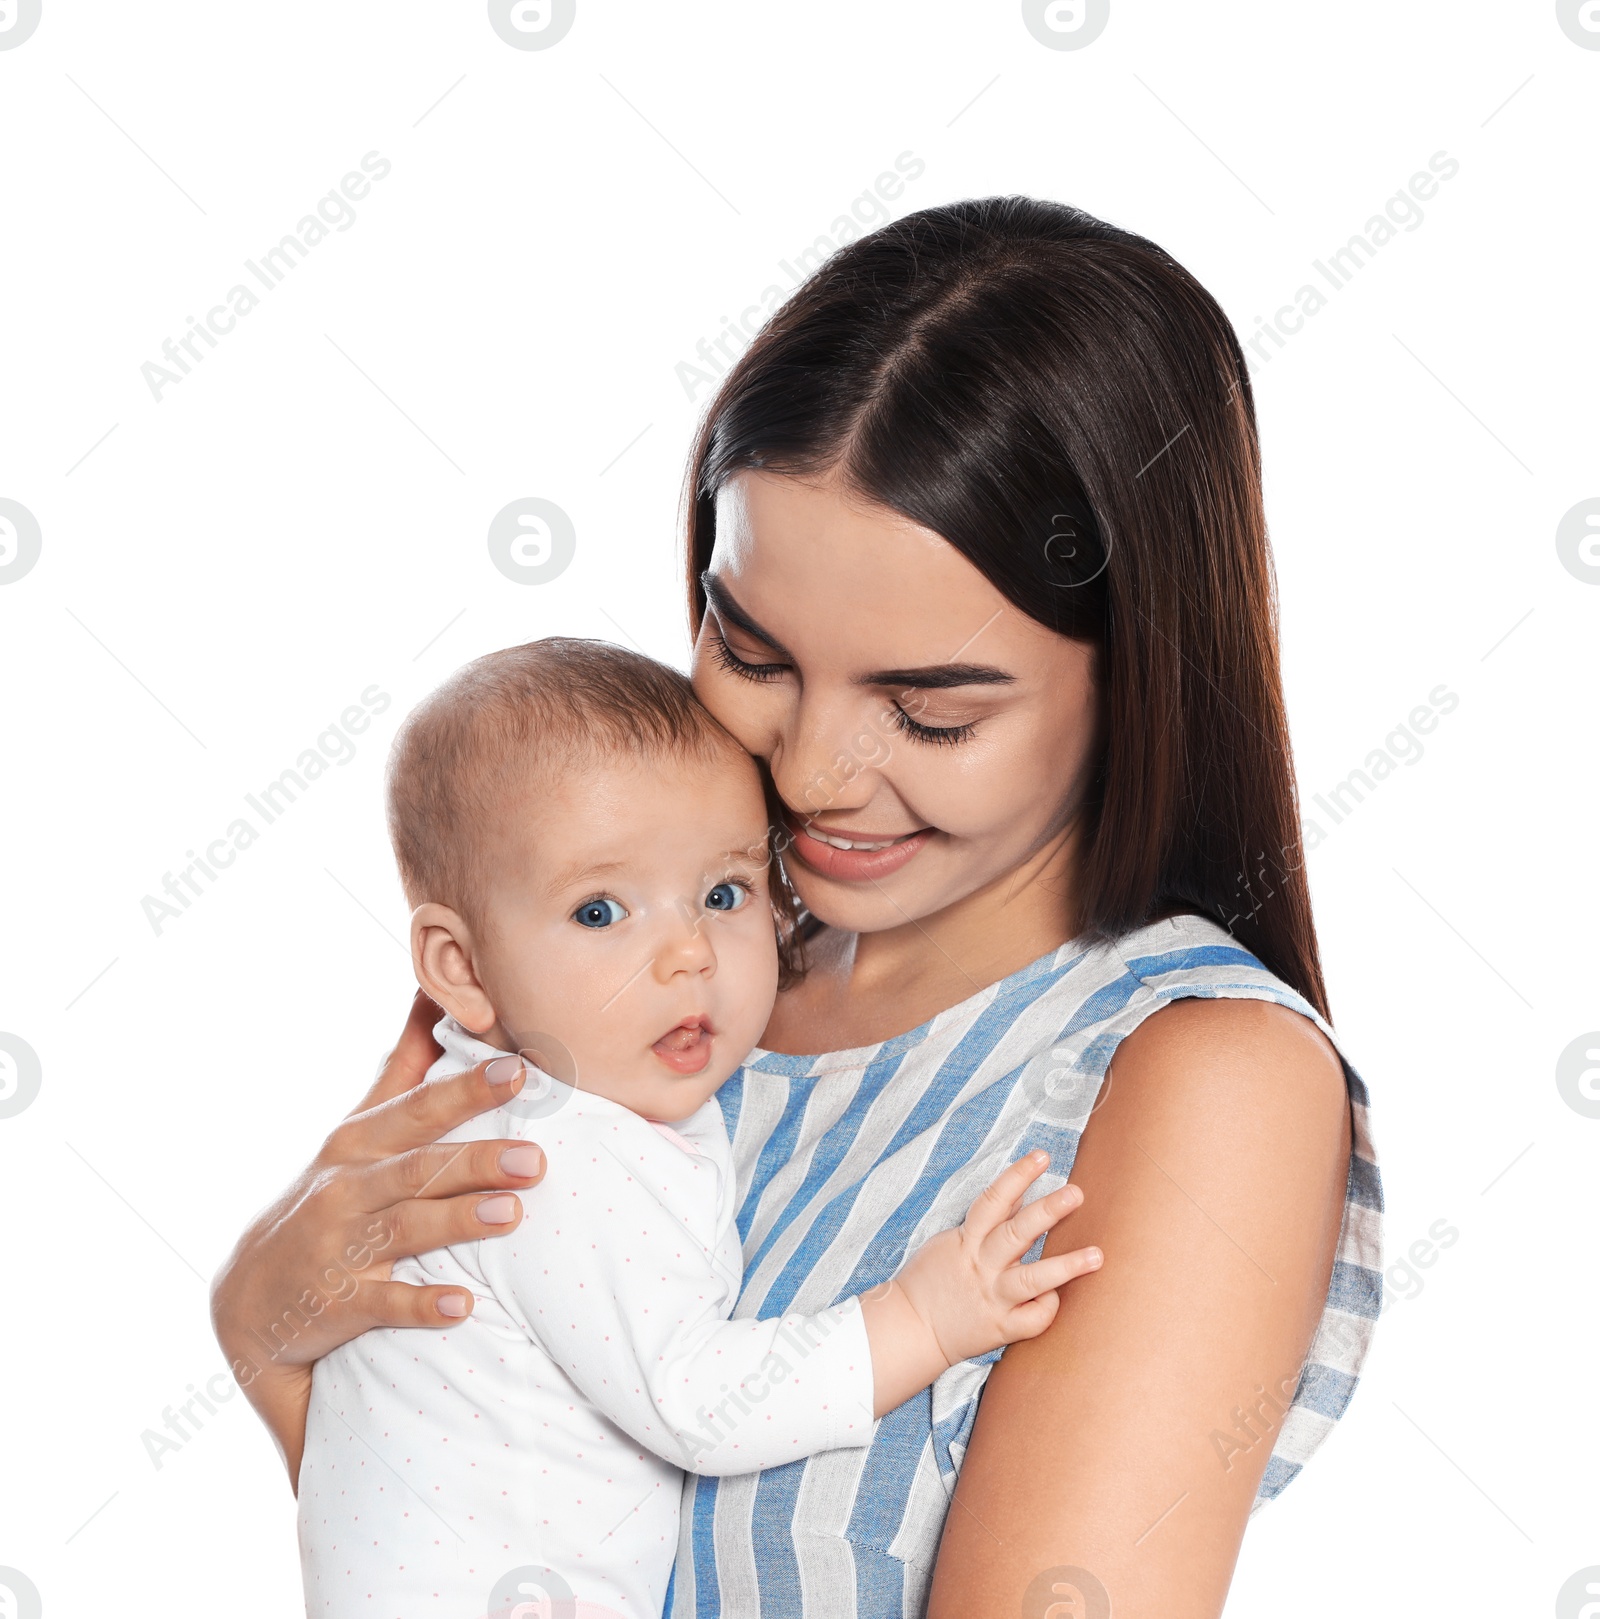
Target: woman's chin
872 907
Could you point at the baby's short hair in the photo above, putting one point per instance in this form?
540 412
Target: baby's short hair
491 725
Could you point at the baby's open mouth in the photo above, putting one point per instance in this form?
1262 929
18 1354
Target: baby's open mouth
686 1046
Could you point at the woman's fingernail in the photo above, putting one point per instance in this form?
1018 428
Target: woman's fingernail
498 1210
522 1161
1094 1256
453 1304
1039 1156
504 1071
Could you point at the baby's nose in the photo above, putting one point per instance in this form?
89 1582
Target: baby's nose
687 948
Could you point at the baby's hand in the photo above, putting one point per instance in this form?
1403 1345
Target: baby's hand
963 1293
968 1285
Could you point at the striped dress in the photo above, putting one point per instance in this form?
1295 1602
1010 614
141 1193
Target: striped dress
847 1161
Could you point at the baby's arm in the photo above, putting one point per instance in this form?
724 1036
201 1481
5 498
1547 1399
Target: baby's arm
608 1277
611 1272
965 1292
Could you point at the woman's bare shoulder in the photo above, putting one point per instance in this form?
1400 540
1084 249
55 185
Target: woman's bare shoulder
1243 1102
1247 1050
1213 1169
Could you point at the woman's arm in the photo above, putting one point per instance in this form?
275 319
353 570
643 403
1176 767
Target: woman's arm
1214 1175
312 1269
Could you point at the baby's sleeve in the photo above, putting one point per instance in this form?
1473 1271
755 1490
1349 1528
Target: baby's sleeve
608 1275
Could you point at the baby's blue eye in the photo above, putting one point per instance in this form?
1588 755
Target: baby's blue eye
726 897
598 913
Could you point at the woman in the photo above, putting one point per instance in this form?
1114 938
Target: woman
978 567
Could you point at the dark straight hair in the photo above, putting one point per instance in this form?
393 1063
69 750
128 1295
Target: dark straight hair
1068 407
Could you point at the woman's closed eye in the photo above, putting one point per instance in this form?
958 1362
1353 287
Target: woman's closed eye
938 735
901 716
913 712
735 665
599 913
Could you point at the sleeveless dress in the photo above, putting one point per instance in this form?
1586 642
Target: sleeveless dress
846 1161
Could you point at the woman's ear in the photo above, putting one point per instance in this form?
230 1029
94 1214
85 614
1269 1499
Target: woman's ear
441 954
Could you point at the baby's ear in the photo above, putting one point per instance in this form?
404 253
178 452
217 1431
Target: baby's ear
441 955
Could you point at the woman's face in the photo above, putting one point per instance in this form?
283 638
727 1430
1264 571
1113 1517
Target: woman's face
928 739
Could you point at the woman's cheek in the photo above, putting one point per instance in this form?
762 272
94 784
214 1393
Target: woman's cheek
713 685
738 707
967 790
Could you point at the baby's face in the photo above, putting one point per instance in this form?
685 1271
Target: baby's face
629 918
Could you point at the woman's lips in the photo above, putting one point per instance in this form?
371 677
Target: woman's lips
686 1048
855 865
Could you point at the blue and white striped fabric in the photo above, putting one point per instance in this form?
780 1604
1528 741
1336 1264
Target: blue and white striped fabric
847 1161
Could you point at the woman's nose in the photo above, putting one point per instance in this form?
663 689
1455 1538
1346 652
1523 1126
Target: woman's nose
827 757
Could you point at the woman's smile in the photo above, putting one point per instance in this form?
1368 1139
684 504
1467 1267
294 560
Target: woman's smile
854 840
857 858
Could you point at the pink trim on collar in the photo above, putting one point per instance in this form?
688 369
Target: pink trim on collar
672 1135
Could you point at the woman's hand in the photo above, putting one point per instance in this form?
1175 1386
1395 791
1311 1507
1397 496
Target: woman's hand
312 1269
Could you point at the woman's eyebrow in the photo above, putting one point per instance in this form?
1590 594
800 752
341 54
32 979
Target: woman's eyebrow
717 594
939 676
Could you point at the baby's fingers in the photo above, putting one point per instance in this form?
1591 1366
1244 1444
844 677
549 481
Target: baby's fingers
1022 1283
1012 1238
996 1201
1029 1320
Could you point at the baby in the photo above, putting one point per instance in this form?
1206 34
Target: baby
587 854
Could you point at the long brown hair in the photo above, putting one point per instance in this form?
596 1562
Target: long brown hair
1068 407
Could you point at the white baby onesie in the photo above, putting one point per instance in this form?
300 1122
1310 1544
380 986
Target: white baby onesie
526 1463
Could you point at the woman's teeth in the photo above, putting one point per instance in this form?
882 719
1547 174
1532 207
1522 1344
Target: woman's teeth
845 843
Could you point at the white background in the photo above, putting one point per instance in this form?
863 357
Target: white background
304 516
